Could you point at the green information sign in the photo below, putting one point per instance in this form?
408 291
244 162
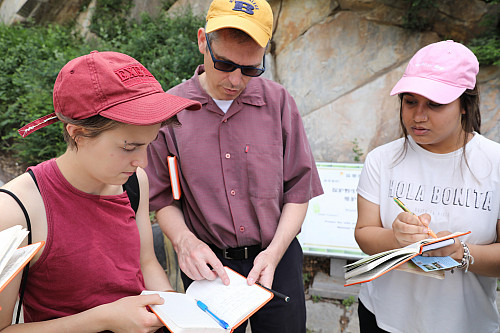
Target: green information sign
328 228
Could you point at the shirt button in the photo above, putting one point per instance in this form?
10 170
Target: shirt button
224 121
242 229
228 155
233 192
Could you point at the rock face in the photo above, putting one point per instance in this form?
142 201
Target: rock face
340 59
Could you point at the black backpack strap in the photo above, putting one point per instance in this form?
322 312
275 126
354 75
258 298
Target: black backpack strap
30 241
133 191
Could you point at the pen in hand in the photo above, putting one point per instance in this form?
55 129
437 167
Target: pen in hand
221 322
403 207
277 294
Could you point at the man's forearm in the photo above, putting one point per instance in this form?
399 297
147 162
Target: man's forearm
289 226
172 223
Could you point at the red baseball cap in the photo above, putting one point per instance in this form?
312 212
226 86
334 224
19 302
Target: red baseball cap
113 85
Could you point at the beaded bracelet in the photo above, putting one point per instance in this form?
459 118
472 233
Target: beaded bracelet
467 259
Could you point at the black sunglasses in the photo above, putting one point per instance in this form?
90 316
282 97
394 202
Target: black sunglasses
229 66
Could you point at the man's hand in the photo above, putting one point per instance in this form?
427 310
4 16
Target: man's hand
263 269
196 258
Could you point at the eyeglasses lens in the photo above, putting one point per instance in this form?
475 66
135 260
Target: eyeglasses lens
227 66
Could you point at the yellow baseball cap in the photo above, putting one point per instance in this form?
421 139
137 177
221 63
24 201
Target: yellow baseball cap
254 17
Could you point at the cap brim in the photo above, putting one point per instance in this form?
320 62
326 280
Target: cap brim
240 23
436 91
150 109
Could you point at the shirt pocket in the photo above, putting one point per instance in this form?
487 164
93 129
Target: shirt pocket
264 170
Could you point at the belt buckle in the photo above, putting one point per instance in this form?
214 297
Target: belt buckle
225 255
246 252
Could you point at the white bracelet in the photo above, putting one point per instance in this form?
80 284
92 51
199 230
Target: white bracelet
467 259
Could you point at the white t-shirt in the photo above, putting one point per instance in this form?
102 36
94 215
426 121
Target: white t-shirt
458 200
224 105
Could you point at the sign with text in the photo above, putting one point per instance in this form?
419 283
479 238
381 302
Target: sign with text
328 228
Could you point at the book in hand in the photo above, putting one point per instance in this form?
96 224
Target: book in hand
173 171
12 258
232 304
371 267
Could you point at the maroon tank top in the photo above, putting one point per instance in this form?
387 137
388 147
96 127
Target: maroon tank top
92 253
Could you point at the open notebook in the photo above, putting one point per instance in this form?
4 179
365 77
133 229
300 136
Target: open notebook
233 304
376 265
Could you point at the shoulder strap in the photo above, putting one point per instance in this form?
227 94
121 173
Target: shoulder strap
32 174
133 191
30 241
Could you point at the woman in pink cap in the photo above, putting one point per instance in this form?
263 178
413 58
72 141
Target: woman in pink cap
448 174
90 205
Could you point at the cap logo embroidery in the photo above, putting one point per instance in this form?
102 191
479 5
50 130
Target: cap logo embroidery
134 74
425 64
245 7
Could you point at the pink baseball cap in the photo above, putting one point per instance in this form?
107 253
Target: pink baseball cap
113 85
440 71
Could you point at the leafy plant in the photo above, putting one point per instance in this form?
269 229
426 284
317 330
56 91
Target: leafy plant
316 298
487 46
306 277
31 58
110 20
487 50
347 302
358 152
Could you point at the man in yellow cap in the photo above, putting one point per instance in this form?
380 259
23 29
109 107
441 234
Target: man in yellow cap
245 165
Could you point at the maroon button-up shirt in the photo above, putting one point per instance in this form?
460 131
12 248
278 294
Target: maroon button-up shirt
238 169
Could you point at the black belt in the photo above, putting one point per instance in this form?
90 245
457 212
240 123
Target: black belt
238 253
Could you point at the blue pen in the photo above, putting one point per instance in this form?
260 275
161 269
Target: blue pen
221 322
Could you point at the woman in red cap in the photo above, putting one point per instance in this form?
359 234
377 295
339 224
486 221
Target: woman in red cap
448 174
98 254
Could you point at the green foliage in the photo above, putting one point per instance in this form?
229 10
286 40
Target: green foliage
33 55
31 58
487 46
306 277
347 302
487 50
110 19
358 152
417 17
316 298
